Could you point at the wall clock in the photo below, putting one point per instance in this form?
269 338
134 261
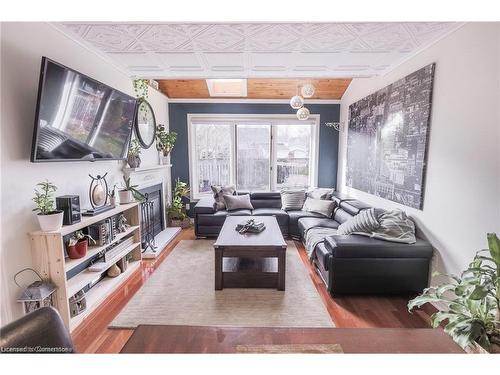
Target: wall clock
145 124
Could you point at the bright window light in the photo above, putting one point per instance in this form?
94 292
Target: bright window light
227 87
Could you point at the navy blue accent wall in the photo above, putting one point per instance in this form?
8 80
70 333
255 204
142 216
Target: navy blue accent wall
328 137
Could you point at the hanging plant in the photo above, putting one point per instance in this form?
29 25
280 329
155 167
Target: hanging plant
141 88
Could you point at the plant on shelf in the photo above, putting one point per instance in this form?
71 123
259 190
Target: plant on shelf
112 195
134 152
177 215
165 141
472 313
128 193
78 244
48 218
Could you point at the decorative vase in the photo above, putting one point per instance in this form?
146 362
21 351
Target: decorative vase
79 250
163 157
134 161
51 222
126 196
112 200
114 271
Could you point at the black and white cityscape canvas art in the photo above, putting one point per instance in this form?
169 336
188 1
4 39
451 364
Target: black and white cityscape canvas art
387 139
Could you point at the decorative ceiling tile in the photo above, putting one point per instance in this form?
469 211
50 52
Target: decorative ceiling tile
108 38
276 37
329 38
220 38
218 50
165 38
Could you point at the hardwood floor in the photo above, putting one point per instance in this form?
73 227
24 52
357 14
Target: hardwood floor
93 336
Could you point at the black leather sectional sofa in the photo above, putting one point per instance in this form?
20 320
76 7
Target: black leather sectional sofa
350 264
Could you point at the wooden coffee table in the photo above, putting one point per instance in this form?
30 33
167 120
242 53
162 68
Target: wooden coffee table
251 260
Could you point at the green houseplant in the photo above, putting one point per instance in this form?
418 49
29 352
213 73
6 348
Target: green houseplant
49 219
177 216
78 244
128 193
472 313
165 141
134 152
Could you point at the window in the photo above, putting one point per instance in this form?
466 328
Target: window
213 155
254 154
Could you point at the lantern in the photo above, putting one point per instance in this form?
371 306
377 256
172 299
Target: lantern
38 294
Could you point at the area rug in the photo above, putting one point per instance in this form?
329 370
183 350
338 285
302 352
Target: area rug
181 292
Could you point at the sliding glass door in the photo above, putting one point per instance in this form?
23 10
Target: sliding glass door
213 155
293 153
253 155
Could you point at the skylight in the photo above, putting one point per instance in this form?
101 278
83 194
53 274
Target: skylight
227 87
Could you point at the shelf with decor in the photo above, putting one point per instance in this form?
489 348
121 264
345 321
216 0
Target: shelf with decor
92 251
72 275
101 291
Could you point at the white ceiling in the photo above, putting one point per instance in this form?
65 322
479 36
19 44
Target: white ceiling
257 50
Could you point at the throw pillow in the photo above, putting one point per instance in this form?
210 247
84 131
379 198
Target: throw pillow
320 193
219 192
292 199
238 202
320 206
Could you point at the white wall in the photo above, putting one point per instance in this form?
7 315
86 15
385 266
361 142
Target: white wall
462 189
23 45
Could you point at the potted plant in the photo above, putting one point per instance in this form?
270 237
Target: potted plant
129 193
134 152
177 216
48 218
78 244
472 313
165 141
112 195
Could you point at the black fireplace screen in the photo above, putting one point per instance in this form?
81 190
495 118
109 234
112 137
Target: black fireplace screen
152 218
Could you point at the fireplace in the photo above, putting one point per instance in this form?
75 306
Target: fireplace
152 213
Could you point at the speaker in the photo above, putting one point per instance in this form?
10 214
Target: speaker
70 205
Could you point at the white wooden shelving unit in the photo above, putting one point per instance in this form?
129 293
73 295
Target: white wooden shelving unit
49 260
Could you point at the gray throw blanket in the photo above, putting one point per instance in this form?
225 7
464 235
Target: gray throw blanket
394 226
316 235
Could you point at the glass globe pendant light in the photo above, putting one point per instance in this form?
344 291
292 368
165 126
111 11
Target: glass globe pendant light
296 102
303 113
307 90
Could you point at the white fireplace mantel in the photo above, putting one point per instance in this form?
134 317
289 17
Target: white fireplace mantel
149 168
148 176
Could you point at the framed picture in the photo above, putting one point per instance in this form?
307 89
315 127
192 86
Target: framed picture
387 139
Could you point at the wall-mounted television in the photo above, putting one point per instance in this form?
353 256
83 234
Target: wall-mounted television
79 118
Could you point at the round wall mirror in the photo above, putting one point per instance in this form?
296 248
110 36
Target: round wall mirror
145 124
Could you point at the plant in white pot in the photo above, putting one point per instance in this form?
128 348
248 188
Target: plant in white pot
129 193
48 218
165 141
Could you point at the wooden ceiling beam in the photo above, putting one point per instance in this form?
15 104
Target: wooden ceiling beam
330 89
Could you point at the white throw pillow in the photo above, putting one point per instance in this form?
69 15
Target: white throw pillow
292 199
320 206
238 202
320 193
